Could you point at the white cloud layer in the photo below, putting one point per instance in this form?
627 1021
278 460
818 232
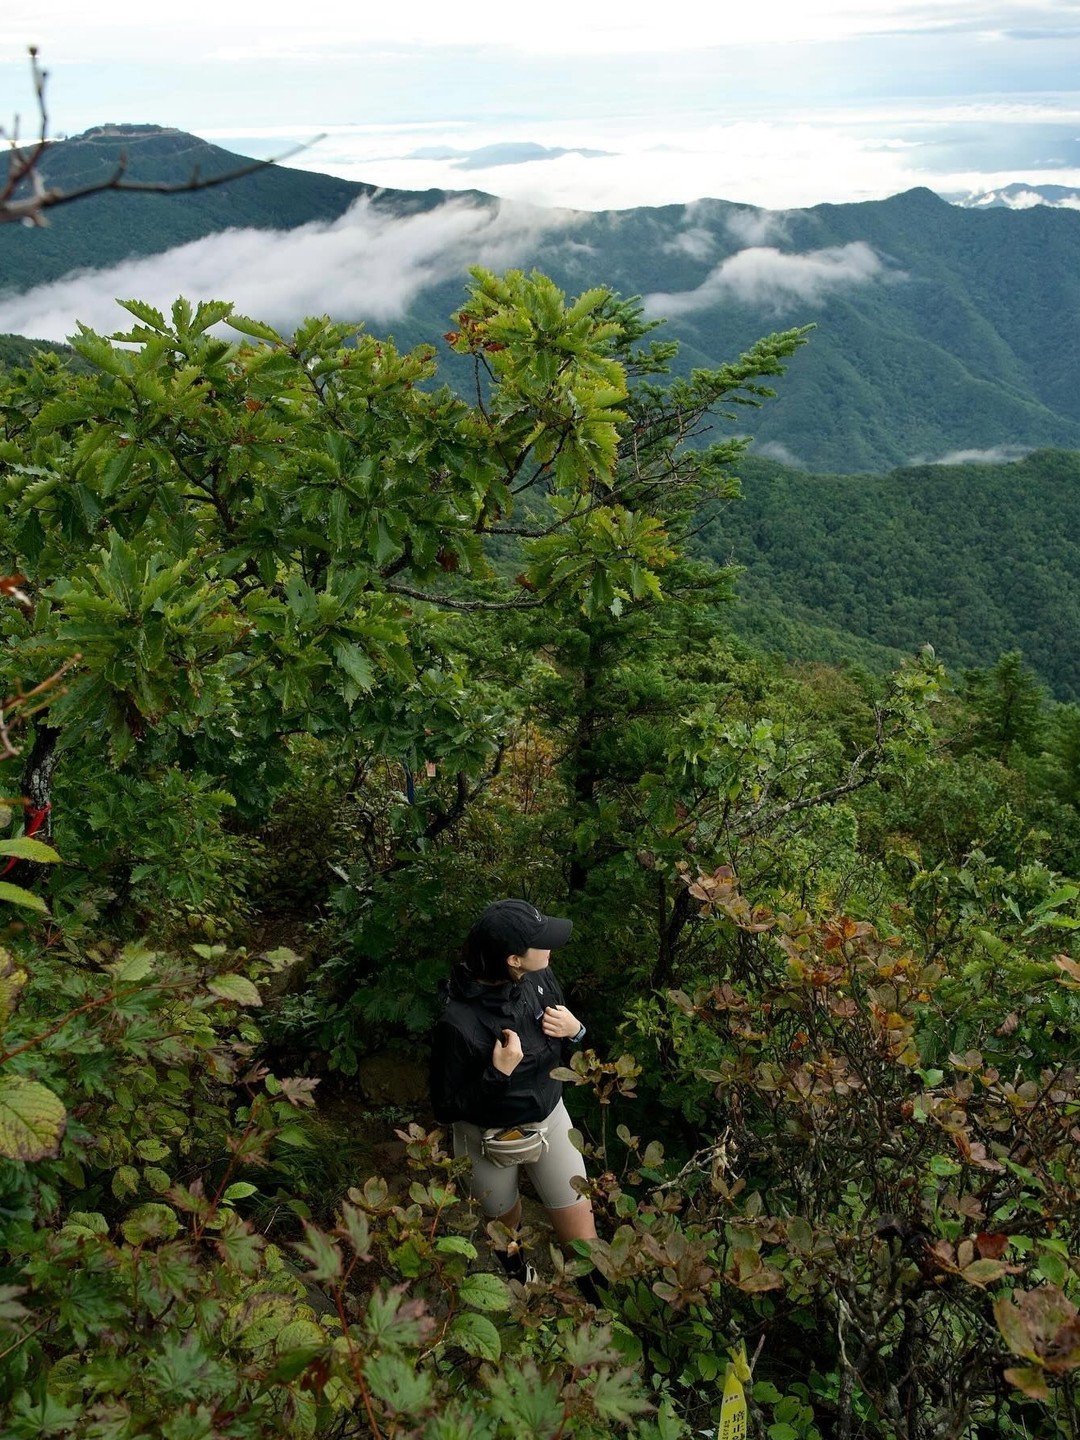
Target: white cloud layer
369 266
754 227
772 279
777 450
1027 200
763 163
697 242
996 455
760 163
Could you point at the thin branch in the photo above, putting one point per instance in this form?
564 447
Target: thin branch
18 709
23 163
468 605
856 779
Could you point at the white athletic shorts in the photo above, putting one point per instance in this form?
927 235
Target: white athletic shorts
495 1187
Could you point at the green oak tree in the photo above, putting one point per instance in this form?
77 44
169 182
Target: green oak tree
246 537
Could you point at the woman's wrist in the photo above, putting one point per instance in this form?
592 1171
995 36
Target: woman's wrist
579 1036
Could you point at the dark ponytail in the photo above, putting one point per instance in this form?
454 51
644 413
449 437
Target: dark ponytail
482 962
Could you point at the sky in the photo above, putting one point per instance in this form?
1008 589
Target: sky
779 105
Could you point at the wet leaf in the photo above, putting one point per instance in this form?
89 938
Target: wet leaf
476 1335
236 988
32 1119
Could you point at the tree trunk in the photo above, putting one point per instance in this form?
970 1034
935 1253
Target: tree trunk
664 973
584 777
37 778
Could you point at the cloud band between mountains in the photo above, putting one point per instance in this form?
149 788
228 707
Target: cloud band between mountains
367 266
371 264
773 279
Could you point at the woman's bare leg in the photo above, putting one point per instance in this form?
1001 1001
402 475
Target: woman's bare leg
574 1222
512 1218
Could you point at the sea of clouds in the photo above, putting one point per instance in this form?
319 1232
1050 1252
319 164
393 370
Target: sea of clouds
367 266
371 264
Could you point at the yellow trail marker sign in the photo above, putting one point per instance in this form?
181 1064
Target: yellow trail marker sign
733 1406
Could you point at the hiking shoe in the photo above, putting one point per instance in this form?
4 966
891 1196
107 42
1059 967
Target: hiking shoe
514 1263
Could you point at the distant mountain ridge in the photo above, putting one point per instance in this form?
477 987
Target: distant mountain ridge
518 153
1021 196
107 229
939 328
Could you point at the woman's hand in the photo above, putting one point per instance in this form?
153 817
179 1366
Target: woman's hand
507 1054
559 1023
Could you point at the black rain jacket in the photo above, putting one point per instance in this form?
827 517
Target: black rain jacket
465 1085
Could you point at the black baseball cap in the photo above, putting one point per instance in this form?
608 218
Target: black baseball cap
510 927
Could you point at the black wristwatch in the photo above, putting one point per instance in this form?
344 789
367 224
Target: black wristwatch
579 1036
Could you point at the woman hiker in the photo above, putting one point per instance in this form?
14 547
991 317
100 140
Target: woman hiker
504 1029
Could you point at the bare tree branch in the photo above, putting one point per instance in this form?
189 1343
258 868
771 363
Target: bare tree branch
446 603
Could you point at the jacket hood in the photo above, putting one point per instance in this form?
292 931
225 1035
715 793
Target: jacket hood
464 986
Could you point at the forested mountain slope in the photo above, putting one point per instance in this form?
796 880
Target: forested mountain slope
974 559
940 329
105 229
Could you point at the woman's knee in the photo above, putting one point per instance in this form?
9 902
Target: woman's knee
574 1222
511 1218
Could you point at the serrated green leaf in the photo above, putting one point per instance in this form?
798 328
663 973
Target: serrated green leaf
240 1190
32 1119
294 1135
92 1221
146 313
356 1226
321 1253
255 328
355 663
398 1384
25 848
476 1335
456 1245
240 1247
766 1393
151 1149
708 1366
281 958
16 895
125 1181
406 1259
236 988
153 1221
288 1367
1053 1268
299 1332
484 1292
133 965
614 1394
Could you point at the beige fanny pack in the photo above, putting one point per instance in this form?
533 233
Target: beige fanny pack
513 1145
